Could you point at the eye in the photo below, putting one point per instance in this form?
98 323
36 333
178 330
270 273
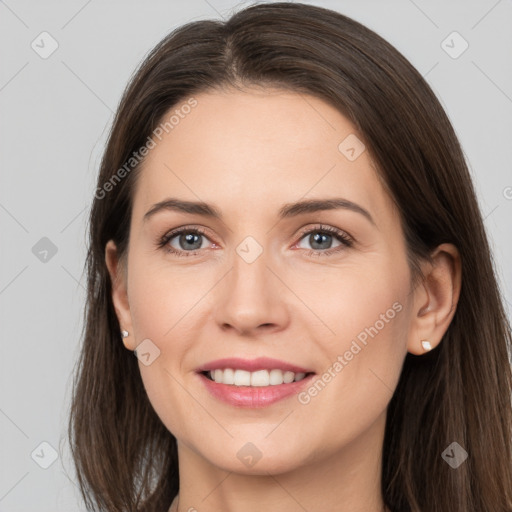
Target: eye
188 241
321 237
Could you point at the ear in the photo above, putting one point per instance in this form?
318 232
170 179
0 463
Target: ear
117 271
435 299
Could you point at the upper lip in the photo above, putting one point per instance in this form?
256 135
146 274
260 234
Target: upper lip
252 365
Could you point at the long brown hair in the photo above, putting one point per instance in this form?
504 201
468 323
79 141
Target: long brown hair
126 459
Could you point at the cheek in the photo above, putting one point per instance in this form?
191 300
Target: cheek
354 300
162 296
364 359
161 306
366 310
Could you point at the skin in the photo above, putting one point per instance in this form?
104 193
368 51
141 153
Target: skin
248 153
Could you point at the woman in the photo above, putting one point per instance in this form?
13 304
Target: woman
286 235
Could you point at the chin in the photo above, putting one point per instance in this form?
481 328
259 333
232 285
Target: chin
258 459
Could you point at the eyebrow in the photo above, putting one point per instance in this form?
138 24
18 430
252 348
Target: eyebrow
288 210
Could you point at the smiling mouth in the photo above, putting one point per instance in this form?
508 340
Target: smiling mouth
259 378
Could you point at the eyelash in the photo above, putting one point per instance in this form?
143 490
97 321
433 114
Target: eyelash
346 241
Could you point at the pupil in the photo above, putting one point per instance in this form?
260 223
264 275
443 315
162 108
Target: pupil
317 240
189 239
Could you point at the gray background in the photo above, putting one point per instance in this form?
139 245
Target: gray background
55 114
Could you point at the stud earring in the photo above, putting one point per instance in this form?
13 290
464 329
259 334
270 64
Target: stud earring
125 335
426 345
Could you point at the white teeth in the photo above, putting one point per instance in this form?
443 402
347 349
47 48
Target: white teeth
260 378
288 377
275 377
228 377
242 378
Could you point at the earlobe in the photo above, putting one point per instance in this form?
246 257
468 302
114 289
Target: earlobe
119 293
435 300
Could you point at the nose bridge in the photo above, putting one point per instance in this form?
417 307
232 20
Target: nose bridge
250 265
251 295
250 275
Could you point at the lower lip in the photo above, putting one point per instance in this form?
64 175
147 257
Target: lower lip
253 397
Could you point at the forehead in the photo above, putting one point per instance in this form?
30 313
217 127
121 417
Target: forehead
245 151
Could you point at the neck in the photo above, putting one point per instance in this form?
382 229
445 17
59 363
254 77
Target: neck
343 481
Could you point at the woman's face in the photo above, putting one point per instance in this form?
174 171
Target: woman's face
265 280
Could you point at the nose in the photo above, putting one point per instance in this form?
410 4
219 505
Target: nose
252 298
